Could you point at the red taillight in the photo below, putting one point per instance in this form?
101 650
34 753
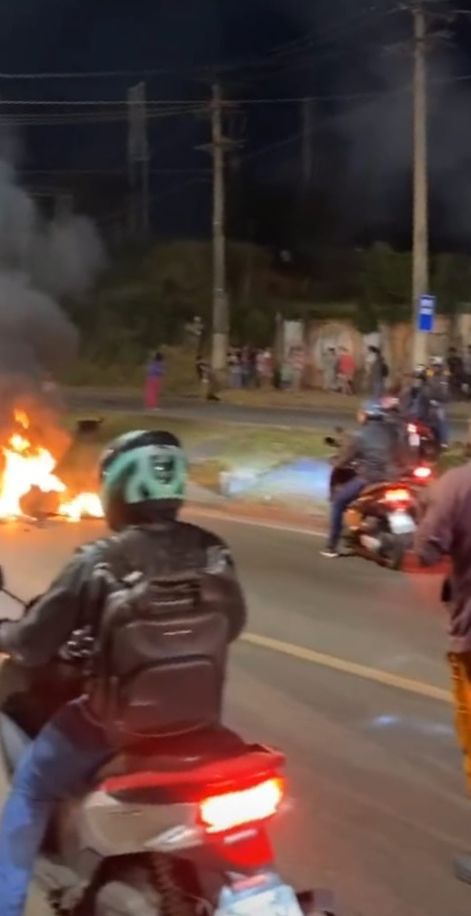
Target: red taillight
397 496
422 473
224 812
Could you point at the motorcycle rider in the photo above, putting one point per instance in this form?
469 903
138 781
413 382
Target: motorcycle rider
143 476
415 399
425 399
375 451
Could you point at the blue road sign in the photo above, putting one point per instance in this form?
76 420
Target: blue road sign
426 315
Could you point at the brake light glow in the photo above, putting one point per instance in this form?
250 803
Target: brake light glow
224 812
422 473
397 496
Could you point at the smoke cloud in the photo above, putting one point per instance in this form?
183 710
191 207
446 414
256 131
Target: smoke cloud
40 261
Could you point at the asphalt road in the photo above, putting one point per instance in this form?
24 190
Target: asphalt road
194 409
378 802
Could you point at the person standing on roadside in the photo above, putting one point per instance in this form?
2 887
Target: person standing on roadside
346 371
235 374
446 530
155 374
378 372
329 369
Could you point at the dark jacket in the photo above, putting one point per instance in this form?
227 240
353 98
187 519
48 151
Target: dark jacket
161 549
446 529
374 450
438 389
415 403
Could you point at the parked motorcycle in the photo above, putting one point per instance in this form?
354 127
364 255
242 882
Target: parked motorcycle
178 828
380 524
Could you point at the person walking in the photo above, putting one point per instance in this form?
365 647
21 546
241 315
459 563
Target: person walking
445 529
155 374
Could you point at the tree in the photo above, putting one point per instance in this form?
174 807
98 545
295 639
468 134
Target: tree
385 284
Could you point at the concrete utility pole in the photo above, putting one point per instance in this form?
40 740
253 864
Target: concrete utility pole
220 333
138 160
307 159
420 271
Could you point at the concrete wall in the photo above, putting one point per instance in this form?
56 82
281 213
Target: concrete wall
395 341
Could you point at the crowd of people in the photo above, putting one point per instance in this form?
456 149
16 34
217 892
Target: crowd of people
258 368
251 367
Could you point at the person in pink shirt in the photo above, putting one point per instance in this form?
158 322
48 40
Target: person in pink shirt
346 371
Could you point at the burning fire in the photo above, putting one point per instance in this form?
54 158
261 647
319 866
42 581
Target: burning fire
28 467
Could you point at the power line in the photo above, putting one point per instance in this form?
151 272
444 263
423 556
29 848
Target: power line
270 56
192 105
111 171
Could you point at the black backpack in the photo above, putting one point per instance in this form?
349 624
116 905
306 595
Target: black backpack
159 658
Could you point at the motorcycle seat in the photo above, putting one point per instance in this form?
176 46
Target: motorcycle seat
163 779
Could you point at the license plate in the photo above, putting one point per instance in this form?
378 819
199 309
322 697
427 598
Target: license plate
277 901
414 440
401 523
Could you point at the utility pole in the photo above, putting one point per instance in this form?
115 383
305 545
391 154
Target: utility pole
307 160
420 255
138 160
220 331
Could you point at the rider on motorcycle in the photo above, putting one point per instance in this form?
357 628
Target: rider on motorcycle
375 451
424 401
143 477
415 399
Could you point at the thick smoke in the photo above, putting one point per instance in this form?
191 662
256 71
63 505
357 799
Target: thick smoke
40 261
367 47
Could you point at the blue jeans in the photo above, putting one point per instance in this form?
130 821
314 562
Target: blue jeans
346 495
441 425
62 759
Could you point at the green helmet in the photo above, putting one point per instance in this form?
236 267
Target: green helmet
142 474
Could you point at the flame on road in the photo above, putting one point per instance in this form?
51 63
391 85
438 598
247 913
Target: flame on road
85 505
27 466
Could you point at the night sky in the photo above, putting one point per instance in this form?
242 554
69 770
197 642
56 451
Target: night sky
352 56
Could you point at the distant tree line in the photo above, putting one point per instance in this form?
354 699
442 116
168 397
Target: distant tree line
148 298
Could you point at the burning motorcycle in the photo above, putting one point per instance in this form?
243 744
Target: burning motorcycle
176 829
380 524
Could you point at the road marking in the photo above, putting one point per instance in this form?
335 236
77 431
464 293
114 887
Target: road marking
386 678
223 516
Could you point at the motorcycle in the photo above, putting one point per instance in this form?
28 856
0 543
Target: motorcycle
179 827
380 524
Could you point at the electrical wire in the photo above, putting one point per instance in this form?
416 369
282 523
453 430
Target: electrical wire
313 39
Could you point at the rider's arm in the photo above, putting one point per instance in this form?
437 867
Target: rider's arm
222 587
47 624
434 536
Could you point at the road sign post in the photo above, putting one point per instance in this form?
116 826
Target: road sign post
426 314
